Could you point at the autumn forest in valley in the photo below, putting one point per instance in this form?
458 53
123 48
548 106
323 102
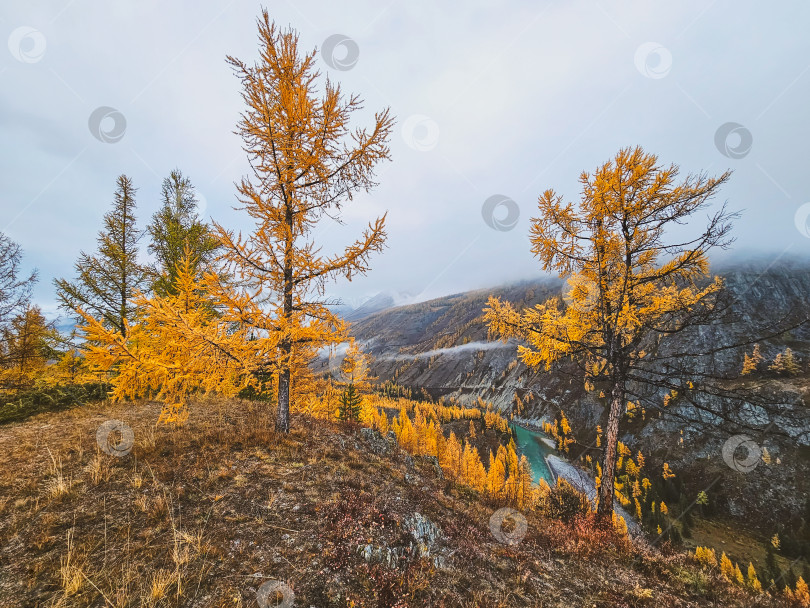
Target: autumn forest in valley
351 373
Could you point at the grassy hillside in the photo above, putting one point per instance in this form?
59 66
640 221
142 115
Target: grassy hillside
205 515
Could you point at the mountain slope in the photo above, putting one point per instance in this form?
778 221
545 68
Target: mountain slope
441 346
207 515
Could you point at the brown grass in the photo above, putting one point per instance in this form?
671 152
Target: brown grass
201 516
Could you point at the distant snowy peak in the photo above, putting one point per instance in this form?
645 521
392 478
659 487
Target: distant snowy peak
354 311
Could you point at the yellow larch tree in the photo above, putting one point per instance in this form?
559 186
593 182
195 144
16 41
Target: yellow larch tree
526 493
405 432
26 344
752 580
628 287
355 369
453 454
751 362
497 474
176 345
473 472
306 161
801 595
706 557
726 567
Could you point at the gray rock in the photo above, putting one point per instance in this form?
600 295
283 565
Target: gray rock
376 442
425 541
381 554
408 461
423 531
426 537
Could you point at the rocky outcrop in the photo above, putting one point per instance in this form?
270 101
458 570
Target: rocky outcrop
376 442
424 540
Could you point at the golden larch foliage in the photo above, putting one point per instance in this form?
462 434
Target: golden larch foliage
625 283
306 162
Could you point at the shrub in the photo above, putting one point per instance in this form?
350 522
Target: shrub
565 502
21 405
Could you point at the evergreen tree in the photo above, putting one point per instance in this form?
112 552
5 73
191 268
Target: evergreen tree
106 282
15 287
175 228
790 577
350 402
772 571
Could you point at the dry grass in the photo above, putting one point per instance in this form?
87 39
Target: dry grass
190 516
159 585
70 573
58 485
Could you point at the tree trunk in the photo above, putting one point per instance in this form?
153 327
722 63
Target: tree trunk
283 415
605 508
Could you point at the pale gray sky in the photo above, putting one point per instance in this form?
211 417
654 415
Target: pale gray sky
504 98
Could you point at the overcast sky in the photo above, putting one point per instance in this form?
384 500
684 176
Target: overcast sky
504 98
